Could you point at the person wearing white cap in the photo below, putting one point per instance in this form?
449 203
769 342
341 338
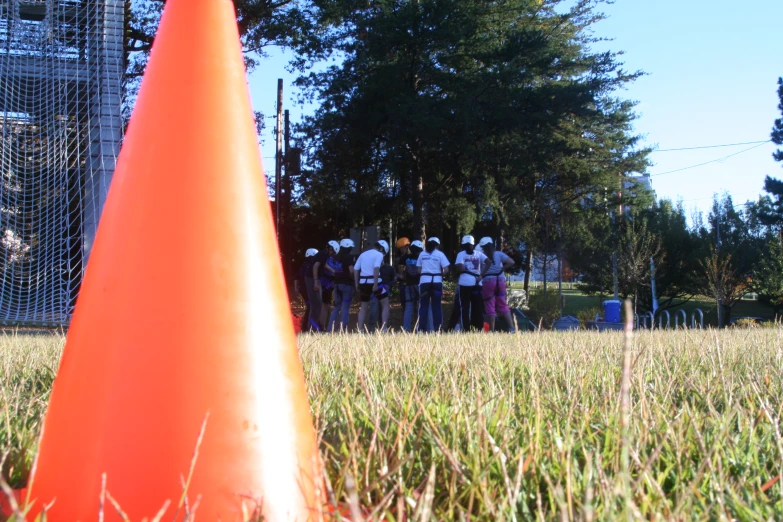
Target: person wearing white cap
343 287
323 275
367 276
494 284
470 265
432 265
304 284
408 274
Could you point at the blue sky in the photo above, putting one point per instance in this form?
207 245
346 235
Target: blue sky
712 78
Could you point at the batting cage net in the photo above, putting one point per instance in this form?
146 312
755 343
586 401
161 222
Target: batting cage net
61 67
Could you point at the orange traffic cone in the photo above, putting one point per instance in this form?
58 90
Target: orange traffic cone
183 313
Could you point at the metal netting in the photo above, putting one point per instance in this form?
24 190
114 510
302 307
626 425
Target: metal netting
61 67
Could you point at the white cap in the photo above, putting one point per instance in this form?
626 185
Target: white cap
311 252
346 243
468 240
417 243
335 245
486 241
434 240
384 245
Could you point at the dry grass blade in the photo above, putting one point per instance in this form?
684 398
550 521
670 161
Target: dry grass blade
162 511
117 507
424 504
353 500
102 501
193 461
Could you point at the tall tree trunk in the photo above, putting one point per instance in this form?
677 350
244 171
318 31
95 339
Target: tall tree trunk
528 269
419 230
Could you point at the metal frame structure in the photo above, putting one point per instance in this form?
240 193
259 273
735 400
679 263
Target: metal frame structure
61 69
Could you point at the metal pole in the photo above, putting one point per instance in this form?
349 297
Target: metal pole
278 154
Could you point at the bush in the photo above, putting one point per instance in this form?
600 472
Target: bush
588 315
544 308
747 322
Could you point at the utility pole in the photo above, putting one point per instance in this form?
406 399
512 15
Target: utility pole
285 198
278 155
618 216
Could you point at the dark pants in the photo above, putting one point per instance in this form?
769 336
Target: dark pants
410 306
471 303
313 306
431 297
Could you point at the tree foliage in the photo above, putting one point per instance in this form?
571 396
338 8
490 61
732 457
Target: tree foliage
767 280
777 128
770 207
453 115
261 23
731 247
658 230
726 283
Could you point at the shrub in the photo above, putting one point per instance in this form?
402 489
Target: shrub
588 315
747 322
544 308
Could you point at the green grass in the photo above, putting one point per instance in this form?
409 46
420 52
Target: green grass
519 427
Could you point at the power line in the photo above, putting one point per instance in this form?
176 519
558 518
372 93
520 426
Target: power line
708 162
713 146
713 196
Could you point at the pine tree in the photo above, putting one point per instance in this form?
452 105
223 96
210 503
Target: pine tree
450 113
777 128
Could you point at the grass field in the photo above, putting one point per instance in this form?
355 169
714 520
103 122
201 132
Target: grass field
575 301
542 426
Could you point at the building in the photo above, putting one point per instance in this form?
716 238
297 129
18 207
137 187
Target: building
634 182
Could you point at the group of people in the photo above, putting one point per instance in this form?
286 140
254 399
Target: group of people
329 279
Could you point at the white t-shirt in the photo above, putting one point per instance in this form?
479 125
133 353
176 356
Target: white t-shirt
432 265
496 268
366 264
472 263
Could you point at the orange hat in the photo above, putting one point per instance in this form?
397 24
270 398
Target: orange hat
402 242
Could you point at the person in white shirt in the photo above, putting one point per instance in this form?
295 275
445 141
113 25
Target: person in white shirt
494 284
367 274
432 265
471 266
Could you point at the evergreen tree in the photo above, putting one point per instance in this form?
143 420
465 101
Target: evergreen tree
777 128
456 114
730 250
767 280
261 23
770 207
660 231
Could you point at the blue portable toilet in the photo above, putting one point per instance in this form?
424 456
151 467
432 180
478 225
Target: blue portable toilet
612 311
